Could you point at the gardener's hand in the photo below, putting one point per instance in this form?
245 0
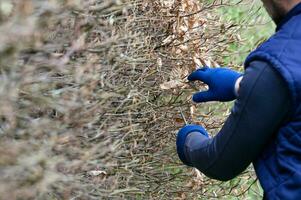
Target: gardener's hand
222 84
181 140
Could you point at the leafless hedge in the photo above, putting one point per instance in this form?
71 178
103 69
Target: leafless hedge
91 94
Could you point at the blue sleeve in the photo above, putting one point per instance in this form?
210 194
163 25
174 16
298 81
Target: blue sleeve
262 105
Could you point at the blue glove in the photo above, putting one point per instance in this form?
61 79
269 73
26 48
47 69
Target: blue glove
221 82
181 138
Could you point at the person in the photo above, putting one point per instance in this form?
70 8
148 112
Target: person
264 127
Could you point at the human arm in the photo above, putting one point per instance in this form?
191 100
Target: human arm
261 107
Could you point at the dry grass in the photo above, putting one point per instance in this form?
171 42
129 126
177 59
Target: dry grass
91 93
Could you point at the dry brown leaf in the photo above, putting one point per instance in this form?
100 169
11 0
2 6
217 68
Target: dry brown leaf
97 173
167 40
172 85
197 62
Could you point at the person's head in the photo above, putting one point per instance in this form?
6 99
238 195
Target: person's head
277 9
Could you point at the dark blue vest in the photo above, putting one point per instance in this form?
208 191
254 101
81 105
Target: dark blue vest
279 166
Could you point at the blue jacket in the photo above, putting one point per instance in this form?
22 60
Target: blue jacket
279 166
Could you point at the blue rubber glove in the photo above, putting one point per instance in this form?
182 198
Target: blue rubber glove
181 138
221 82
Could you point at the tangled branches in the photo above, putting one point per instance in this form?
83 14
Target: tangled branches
90 96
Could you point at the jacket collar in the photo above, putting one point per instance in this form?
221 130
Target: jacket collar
295 11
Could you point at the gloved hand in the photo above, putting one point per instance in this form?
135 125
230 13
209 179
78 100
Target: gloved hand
221 82
181 138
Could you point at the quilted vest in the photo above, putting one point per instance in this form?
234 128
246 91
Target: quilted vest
279 166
